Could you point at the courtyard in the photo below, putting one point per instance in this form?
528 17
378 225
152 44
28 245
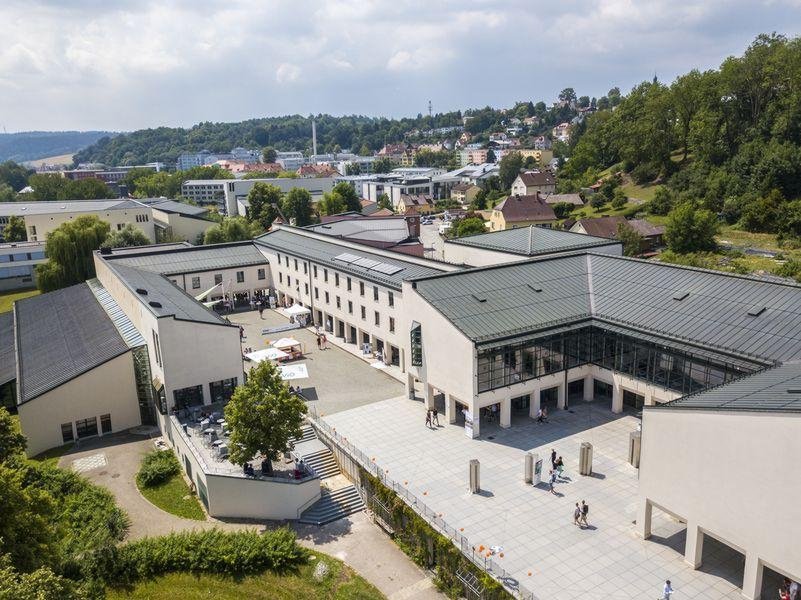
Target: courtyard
337 380
532 528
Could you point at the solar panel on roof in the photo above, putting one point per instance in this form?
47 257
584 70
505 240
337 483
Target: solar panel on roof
346 257
367 263
387 269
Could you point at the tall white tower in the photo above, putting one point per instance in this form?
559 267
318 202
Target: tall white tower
314 138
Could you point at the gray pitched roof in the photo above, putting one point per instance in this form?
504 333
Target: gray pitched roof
44 208
59 336
383 229
171 206
531 241
192 259
163 298
706 308
319 249
8 359
774 390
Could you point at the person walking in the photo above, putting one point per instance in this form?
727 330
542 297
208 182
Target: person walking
552 481
553 459
539 415
435 417
585 510
428 419
319 343
577 515
667 591
560 466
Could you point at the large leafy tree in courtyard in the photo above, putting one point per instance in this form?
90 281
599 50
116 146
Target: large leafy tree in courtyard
297 206
349 196
231 229
69 250
15 230
263 202
263 416
126 237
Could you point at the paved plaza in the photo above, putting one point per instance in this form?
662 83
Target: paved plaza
337 380
541 546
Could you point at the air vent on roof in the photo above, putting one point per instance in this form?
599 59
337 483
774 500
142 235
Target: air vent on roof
680 295
756 311
534 288
155 304
794 391
141 291
479 298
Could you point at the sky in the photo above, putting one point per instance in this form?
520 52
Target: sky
121 65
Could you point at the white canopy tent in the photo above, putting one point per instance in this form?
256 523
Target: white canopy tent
267 354
290 372
286 342
296 310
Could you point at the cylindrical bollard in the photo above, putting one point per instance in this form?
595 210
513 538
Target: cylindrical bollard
475 482
528 467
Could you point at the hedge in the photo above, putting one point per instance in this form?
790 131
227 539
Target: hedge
157 467
212 551
428 548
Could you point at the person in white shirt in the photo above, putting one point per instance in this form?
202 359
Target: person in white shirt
667 591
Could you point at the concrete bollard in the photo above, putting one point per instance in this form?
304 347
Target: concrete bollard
475 479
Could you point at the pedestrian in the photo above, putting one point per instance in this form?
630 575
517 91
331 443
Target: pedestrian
435 417
325 342
667 591
428 419
577 515
585 510
261 311
539 415
794 590
545 415
552 480
319 343
560 466
553 459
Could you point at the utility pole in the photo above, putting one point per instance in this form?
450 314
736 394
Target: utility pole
430 109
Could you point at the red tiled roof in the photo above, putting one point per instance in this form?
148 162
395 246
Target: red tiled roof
525 208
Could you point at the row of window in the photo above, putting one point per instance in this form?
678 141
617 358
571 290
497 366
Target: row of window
85 428
141 219
21 256
21 271
659 365
219 391
261 275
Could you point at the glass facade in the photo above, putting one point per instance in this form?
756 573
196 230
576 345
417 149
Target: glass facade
221 391
657 364
144 386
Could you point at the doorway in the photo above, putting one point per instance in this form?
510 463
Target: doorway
549 398
635 401
601 390
575 390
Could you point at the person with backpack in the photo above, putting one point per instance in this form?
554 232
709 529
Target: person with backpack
585 510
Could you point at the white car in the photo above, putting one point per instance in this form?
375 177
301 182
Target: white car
444 227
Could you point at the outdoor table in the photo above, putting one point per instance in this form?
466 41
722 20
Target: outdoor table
222 448
217 443
204 422
220 421
209 430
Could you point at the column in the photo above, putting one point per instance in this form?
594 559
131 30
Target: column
534 404
450 408
506 412
428 395
589 392
644 514
752 579
561 396
476 419
694 549
617 397
410 386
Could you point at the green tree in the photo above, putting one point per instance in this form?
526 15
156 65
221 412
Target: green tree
47 186
126 237
69 250
349 196
132 177
491 156
383 164
14 231
631 240
263 202
471 224
562 210
509 168
790 221
287 175
762 214
12 442
384 202
567 95
231 229
662 202
41 584
269 154
156 185
331 204
85 189
14 175
297 206
691 229
619 198
7 193
263 416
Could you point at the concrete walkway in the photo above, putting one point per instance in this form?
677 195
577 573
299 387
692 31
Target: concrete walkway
354 540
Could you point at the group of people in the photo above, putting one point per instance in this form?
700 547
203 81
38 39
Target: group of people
542 415
789 590
557 469
322 341
580 514
295 390
432 418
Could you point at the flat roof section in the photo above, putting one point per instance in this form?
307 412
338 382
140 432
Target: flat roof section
531 241
191 259
771 390
59 336
45 208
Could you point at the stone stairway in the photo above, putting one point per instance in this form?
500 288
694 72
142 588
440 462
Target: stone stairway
333 505
322 462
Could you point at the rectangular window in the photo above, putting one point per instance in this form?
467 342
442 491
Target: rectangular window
218 279
286 261
391 298
196 283
280 278
305 268
296 264
66 432
221 391
416 335
261 274
336 279
105 423
306 287
327 298
316 294
189 396
288 280
375 293
279 258
156 348
314 271
392 324
86 427
364 313
349 283
325 275
339 303
240 277
377 318
361 288
350 307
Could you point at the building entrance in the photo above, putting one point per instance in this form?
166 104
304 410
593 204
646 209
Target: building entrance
575 390
549 398
521 403
636 401
602 390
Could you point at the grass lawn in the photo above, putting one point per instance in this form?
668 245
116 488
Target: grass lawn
7 298
175 498
340 583
589 212
738 237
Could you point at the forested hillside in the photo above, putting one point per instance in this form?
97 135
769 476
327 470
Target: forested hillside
31 145
726 140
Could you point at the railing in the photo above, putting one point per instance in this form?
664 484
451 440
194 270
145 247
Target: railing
510 583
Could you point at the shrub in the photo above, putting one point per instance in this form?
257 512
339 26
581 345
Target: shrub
157 467
644 173
212 551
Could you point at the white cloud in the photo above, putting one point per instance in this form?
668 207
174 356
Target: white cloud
287 73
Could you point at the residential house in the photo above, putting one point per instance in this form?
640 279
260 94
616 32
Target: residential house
416 204
464 193
521 211
561 132
607 227
533 182
574 199
542 143
309 171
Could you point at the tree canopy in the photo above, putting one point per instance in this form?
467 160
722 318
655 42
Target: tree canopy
126 237
231 229
691 229
297 207
69 249
263 203
15 231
